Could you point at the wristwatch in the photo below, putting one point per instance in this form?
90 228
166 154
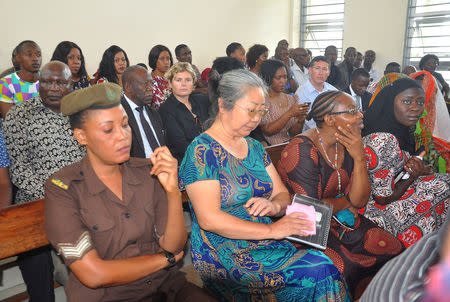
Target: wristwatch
170 258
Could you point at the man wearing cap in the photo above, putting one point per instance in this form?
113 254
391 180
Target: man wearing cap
40 142
145 122
116 221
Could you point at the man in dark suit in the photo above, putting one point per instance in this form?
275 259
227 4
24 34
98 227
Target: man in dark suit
145 122
331 53
357 88
346 68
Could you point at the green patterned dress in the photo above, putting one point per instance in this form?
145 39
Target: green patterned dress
251 270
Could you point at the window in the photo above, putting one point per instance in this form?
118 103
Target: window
428 32
321 24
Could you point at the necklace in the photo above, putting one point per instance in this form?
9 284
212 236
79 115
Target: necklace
285 101
281 100
334 166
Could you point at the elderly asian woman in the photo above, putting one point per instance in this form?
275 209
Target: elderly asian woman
233 189
116 221
183 113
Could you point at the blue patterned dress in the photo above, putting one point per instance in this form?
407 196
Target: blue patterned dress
4 159
251 270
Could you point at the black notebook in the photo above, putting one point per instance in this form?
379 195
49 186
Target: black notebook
324 213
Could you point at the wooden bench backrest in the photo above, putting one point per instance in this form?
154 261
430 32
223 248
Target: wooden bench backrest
22 228
275 152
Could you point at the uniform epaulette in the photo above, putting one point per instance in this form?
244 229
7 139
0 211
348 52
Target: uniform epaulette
58 182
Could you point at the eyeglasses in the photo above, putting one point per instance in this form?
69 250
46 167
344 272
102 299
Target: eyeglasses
318 68
253 112
351 112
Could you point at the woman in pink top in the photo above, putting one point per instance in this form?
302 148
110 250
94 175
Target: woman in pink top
286 116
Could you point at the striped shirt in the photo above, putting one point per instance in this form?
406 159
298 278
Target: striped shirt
404 277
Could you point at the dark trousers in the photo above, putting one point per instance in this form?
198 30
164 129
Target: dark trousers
37 272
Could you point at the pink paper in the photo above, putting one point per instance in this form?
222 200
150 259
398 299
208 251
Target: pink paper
308 210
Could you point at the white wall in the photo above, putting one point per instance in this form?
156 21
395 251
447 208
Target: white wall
378 25
206 26
137 25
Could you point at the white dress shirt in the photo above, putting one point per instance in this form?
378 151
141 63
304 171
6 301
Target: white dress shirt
301 77
356 97
307 93
375 75
147 148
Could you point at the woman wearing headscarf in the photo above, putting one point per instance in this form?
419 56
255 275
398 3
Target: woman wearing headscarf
408 206
432 128
383 82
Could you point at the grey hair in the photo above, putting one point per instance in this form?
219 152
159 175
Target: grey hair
235 84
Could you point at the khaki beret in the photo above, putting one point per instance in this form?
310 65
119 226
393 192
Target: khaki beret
99 96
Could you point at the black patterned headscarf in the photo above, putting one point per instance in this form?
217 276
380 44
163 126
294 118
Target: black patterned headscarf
380 115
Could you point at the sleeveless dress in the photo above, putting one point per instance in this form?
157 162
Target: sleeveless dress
251 270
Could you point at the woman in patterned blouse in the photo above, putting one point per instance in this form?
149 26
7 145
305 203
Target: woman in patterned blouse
160 60
286 116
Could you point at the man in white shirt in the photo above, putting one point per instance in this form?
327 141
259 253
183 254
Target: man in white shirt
300 67
145 122
369 59
319 69
392 67
357 88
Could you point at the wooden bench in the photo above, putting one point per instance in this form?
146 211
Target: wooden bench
275 152
22 228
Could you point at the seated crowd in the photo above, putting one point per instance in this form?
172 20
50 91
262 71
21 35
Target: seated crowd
110 153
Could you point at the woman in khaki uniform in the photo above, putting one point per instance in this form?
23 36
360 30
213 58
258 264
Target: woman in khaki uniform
116 221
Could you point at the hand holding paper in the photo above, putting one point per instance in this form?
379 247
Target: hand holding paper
308 210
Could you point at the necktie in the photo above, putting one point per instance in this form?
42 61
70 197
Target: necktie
358 102
147 129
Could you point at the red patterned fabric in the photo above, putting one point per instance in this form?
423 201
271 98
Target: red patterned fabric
360 253
423 206
161 91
